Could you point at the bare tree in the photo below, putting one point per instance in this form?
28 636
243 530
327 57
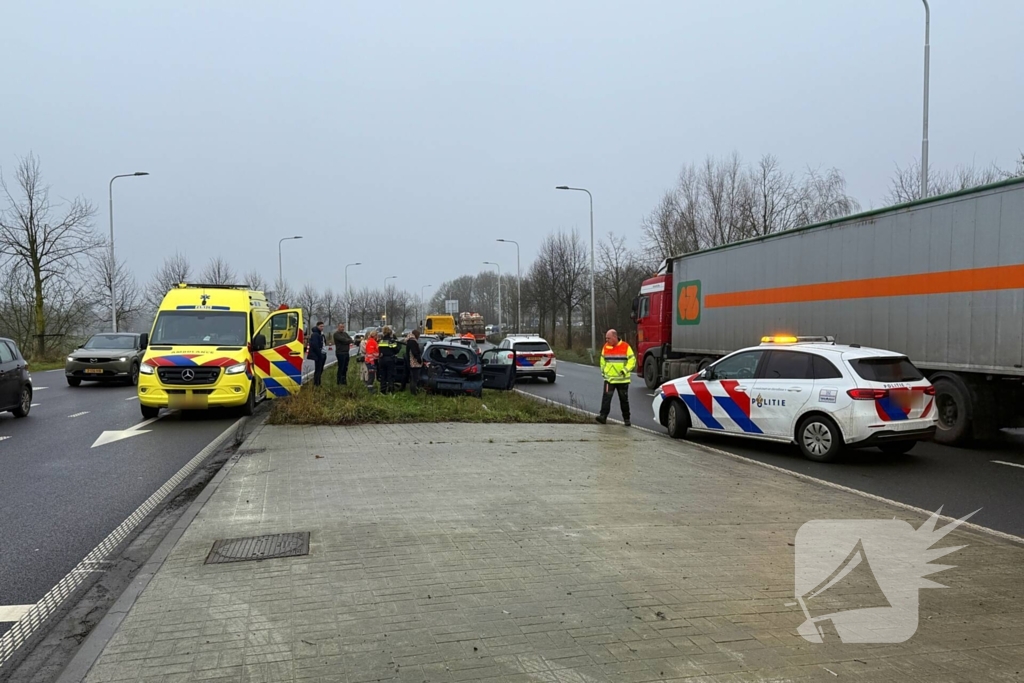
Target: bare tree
128 300
333 307
48 242
218 272
175 270
282 294
255 280
905 183
308 299
620 273
571 268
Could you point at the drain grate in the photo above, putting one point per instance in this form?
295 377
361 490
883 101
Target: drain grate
259 547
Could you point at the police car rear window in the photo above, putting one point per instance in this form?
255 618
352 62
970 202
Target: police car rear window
531 347
890 369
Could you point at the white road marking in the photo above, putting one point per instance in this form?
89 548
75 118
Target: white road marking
33 405
559 375
54 370
13 612
133 398
116 435
1011 464
84 412
4 438
39 388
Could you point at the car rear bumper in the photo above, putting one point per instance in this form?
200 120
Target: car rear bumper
890 435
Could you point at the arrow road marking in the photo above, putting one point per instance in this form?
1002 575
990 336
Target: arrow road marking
84 412
4 438
112 436
13 612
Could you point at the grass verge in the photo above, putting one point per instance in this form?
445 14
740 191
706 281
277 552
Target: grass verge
581 356
44 365
354 405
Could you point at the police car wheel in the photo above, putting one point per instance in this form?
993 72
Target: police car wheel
819 438
677 420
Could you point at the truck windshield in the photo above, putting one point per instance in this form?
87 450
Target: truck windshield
200 328
891 369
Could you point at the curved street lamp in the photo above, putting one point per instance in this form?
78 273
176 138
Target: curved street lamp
593 300
113 261
519 289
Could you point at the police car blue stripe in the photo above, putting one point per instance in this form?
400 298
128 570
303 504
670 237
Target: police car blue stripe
702 413
737 415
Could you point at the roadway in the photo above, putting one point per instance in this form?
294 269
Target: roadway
63 488
959 479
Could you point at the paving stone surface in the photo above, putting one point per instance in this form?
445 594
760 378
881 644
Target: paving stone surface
536 553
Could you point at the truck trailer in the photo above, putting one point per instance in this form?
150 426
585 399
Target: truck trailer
940 280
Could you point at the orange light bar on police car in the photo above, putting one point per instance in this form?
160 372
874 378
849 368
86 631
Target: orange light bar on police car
779 339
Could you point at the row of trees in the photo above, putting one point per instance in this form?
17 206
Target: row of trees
56 273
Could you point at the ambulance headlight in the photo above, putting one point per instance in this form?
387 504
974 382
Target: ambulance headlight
146 369
237 369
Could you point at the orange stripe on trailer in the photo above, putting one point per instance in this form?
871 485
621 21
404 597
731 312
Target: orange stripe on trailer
944 282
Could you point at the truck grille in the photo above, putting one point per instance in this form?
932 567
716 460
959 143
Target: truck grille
188 375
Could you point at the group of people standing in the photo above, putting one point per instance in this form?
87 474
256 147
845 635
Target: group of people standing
378 357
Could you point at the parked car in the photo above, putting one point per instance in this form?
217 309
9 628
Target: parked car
456 369
534 357
15 381
821 395
465 341
107 357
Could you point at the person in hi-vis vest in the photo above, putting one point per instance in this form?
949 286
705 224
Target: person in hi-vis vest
617 364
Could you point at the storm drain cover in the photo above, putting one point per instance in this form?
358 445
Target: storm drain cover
259 547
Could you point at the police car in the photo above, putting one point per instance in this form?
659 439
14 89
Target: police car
807 390
534 357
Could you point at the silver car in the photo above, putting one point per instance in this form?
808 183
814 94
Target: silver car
107 357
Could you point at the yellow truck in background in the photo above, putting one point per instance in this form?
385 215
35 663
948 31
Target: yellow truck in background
214 346
440 324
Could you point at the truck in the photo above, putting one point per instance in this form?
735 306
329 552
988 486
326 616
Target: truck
440 324
940 280
472 323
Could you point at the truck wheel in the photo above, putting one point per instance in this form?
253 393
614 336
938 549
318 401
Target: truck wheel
651 373
677 420
897 447
951 406
819 438
149 412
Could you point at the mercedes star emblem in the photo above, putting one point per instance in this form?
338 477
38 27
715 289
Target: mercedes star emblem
188 375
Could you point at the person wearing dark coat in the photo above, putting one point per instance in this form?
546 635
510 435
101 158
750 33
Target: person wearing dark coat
317 352
342 351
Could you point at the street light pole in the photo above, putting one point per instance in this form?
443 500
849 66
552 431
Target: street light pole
390 277
492 263
593 299
348 297
113 260
924 134
422 303
280 271
519 289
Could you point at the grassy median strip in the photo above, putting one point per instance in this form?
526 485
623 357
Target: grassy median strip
354 405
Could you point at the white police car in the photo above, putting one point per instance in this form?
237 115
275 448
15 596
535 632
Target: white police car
534 357
819 394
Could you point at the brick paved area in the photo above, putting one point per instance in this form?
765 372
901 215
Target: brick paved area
569 554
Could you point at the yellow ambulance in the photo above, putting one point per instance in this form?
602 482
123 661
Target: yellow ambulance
219 346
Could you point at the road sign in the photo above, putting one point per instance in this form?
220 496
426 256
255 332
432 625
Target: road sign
451 306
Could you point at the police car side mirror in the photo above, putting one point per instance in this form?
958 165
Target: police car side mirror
259 342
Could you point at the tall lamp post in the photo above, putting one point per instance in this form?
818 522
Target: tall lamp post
924 134
519 289
492 263
280 271
390 277
113 261
348 296
593 299
422 301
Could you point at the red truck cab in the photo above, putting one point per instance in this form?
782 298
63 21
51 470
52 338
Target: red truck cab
652 313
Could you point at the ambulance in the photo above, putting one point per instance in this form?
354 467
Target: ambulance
219 346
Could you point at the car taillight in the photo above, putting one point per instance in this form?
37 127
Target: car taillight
471 370
867 394
929 390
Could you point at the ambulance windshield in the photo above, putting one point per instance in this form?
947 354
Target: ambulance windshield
199 328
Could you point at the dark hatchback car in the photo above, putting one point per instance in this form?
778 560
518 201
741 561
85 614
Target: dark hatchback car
458 369
15 382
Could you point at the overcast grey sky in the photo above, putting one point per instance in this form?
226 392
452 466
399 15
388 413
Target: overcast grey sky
409 135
